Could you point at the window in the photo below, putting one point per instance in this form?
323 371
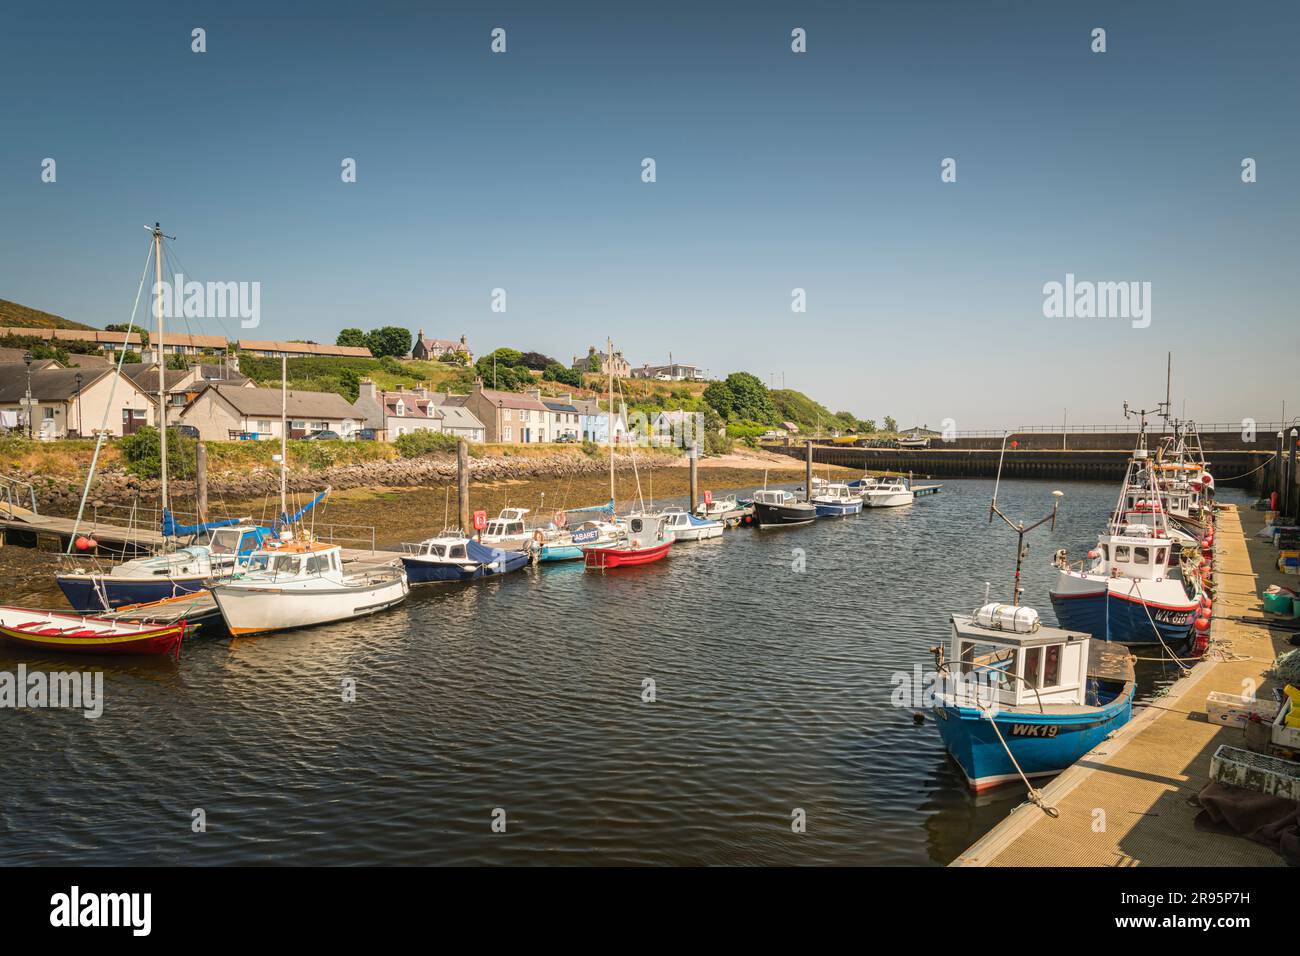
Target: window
1052 666
507 434
264 425
457 552
505 415
525 415
1033 663
1141 555
1121 552
317 563
1160 556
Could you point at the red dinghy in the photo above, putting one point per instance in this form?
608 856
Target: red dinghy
647 541
78 634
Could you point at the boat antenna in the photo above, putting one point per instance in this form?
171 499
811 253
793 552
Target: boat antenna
1020 528
158 237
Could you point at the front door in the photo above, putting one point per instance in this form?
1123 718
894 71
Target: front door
133 419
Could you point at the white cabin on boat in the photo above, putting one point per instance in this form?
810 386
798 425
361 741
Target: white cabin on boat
1003 656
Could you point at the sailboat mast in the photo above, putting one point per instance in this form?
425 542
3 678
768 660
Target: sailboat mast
284 431
610 369
162 381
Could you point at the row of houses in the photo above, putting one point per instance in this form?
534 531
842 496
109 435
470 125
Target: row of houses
219 404
185 343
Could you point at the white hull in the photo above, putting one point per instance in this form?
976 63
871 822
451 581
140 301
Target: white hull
887 499
268 607
698 534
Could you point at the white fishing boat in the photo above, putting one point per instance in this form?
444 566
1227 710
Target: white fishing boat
717 507
508 530
303 583
686 527
887 493
835 498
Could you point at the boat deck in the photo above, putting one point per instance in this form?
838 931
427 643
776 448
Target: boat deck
1145 776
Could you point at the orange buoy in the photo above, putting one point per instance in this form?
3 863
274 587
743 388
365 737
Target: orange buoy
85 544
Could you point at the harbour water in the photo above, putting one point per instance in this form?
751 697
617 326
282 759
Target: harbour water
772 690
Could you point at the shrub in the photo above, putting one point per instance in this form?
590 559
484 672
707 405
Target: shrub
423 443
142 454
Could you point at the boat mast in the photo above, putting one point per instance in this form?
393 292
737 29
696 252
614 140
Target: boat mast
610 369
284 430
1020 528
162 381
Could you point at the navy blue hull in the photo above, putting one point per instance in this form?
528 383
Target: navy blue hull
1123 621
428 572
87 593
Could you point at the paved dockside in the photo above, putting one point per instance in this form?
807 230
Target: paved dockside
1129 802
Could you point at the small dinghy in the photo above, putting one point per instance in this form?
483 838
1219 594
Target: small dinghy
453 558
686 527
78 634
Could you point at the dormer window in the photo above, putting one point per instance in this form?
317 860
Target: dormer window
401 408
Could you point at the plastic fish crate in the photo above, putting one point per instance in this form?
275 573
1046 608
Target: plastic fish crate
1258 772
1233 711
1284 736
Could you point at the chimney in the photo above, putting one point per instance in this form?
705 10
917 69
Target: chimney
535 394
368 389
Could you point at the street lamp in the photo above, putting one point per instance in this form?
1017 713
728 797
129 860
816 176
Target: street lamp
77 378
27 359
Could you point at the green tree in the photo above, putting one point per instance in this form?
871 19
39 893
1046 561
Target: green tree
718 397
593 362
349 384
749 399
890 424
142 454
353 338
537 361
555 372
389 340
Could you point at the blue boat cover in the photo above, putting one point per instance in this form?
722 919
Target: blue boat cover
700 522
483 554
171 529
286 520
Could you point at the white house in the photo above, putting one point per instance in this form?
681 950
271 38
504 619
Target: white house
226 412
74 400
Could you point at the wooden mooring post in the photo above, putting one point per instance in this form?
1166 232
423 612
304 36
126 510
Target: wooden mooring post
462 485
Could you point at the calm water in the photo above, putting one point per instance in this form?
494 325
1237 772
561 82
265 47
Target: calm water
773 692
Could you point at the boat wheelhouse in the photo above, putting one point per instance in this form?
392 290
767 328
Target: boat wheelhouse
647 540
717 507
508 529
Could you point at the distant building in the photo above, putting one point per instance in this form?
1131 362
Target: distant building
674 372
432 350
105 341
621 367
398 412
564 417
183 343
226 412
301 349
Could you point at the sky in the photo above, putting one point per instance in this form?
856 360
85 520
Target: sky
774 171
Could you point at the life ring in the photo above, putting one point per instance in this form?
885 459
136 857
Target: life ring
560 519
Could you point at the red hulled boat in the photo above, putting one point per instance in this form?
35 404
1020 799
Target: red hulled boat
78 634
647 542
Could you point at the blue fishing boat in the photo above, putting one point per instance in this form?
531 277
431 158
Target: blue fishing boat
835 498
442 559
1017 699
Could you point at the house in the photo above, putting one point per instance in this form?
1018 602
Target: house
675 427
225 412
397 413
620 366
458 420
508 417
301 349
432 350
65 398
563 418
920 431
183 385
672 372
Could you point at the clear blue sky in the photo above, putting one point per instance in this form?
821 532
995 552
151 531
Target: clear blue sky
522 171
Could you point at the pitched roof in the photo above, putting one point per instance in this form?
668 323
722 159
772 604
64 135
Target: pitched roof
513 400
309 348
457 416
193 341
265 402
97 336
560 406
48 385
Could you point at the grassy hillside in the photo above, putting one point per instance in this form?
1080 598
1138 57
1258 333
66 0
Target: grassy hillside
20 316
340 375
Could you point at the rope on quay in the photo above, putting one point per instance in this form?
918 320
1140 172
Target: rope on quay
1035 796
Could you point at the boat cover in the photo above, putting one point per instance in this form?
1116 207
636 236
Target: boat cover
606 508
483 554
171 529
700 522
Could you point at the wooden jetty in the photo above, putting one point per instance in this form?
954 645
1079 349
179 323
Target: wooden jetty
1144 777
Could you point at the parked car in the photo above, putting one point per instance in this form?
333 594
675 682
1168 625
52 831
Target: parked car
566 439
325 435
367 434
189 431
